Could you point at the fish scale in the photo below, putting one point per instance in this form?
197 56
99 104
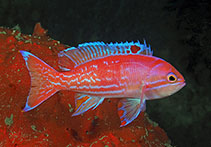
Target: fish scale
89 80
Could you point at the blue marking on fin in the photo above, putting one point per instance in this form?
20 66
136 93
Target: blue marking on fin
100 101
94 50
35 67
25 55
27 107
85 102
129 109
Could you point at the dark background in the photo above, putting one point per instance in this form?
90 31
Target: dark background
179 31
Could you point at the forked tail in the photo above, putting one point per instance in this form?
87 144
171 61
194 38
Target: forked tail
42 77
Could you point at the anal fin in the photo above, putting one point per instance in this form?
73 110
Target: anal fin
85 102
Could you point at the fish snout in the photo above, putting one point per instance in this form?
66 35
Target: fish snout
181 85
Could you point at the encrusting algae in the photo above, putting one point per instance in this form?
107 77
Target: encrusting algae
52 124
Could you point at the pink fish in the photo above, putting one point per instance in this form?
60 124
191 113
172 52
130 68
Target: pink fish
98 70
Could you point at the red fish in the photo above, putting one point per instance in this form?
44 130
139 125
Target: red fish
98 70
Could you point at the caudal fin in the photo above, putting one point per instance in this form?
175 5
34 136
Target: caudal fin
42 76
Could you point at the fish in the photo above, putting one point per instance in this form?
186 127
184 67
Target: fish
97 70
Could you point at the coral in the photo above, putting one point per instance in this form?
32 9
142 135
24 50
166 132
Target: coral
51 123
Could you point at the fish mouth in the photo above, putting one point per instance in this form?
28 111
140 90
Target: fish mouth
178 87
181 85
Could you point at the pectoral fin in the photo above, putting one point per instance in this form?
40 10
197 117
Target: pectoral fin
85 102
129 109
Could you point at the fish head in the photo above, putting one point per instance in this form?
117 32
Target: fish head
163 80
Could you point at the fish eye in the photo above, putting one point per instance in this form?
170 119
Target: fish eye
171 77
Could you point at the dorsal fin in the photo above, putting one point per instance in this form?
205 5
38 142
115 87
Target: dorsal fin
90 51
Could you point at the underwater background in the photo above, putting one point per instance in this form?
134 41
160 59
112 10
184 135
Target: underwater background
178 31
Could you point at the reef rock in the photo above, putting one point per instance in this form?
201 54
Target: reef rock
51 123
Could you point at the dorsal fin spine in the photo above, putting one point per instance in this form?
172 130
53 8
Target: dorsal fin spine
79 56
72 57
93 50
84 55
87 49
88 52
74 60
97 51
121 50
104 52
76 57
100 50
107 51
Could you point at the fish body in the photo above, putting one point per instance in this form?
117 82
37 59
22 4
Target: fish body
96 71
113 76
